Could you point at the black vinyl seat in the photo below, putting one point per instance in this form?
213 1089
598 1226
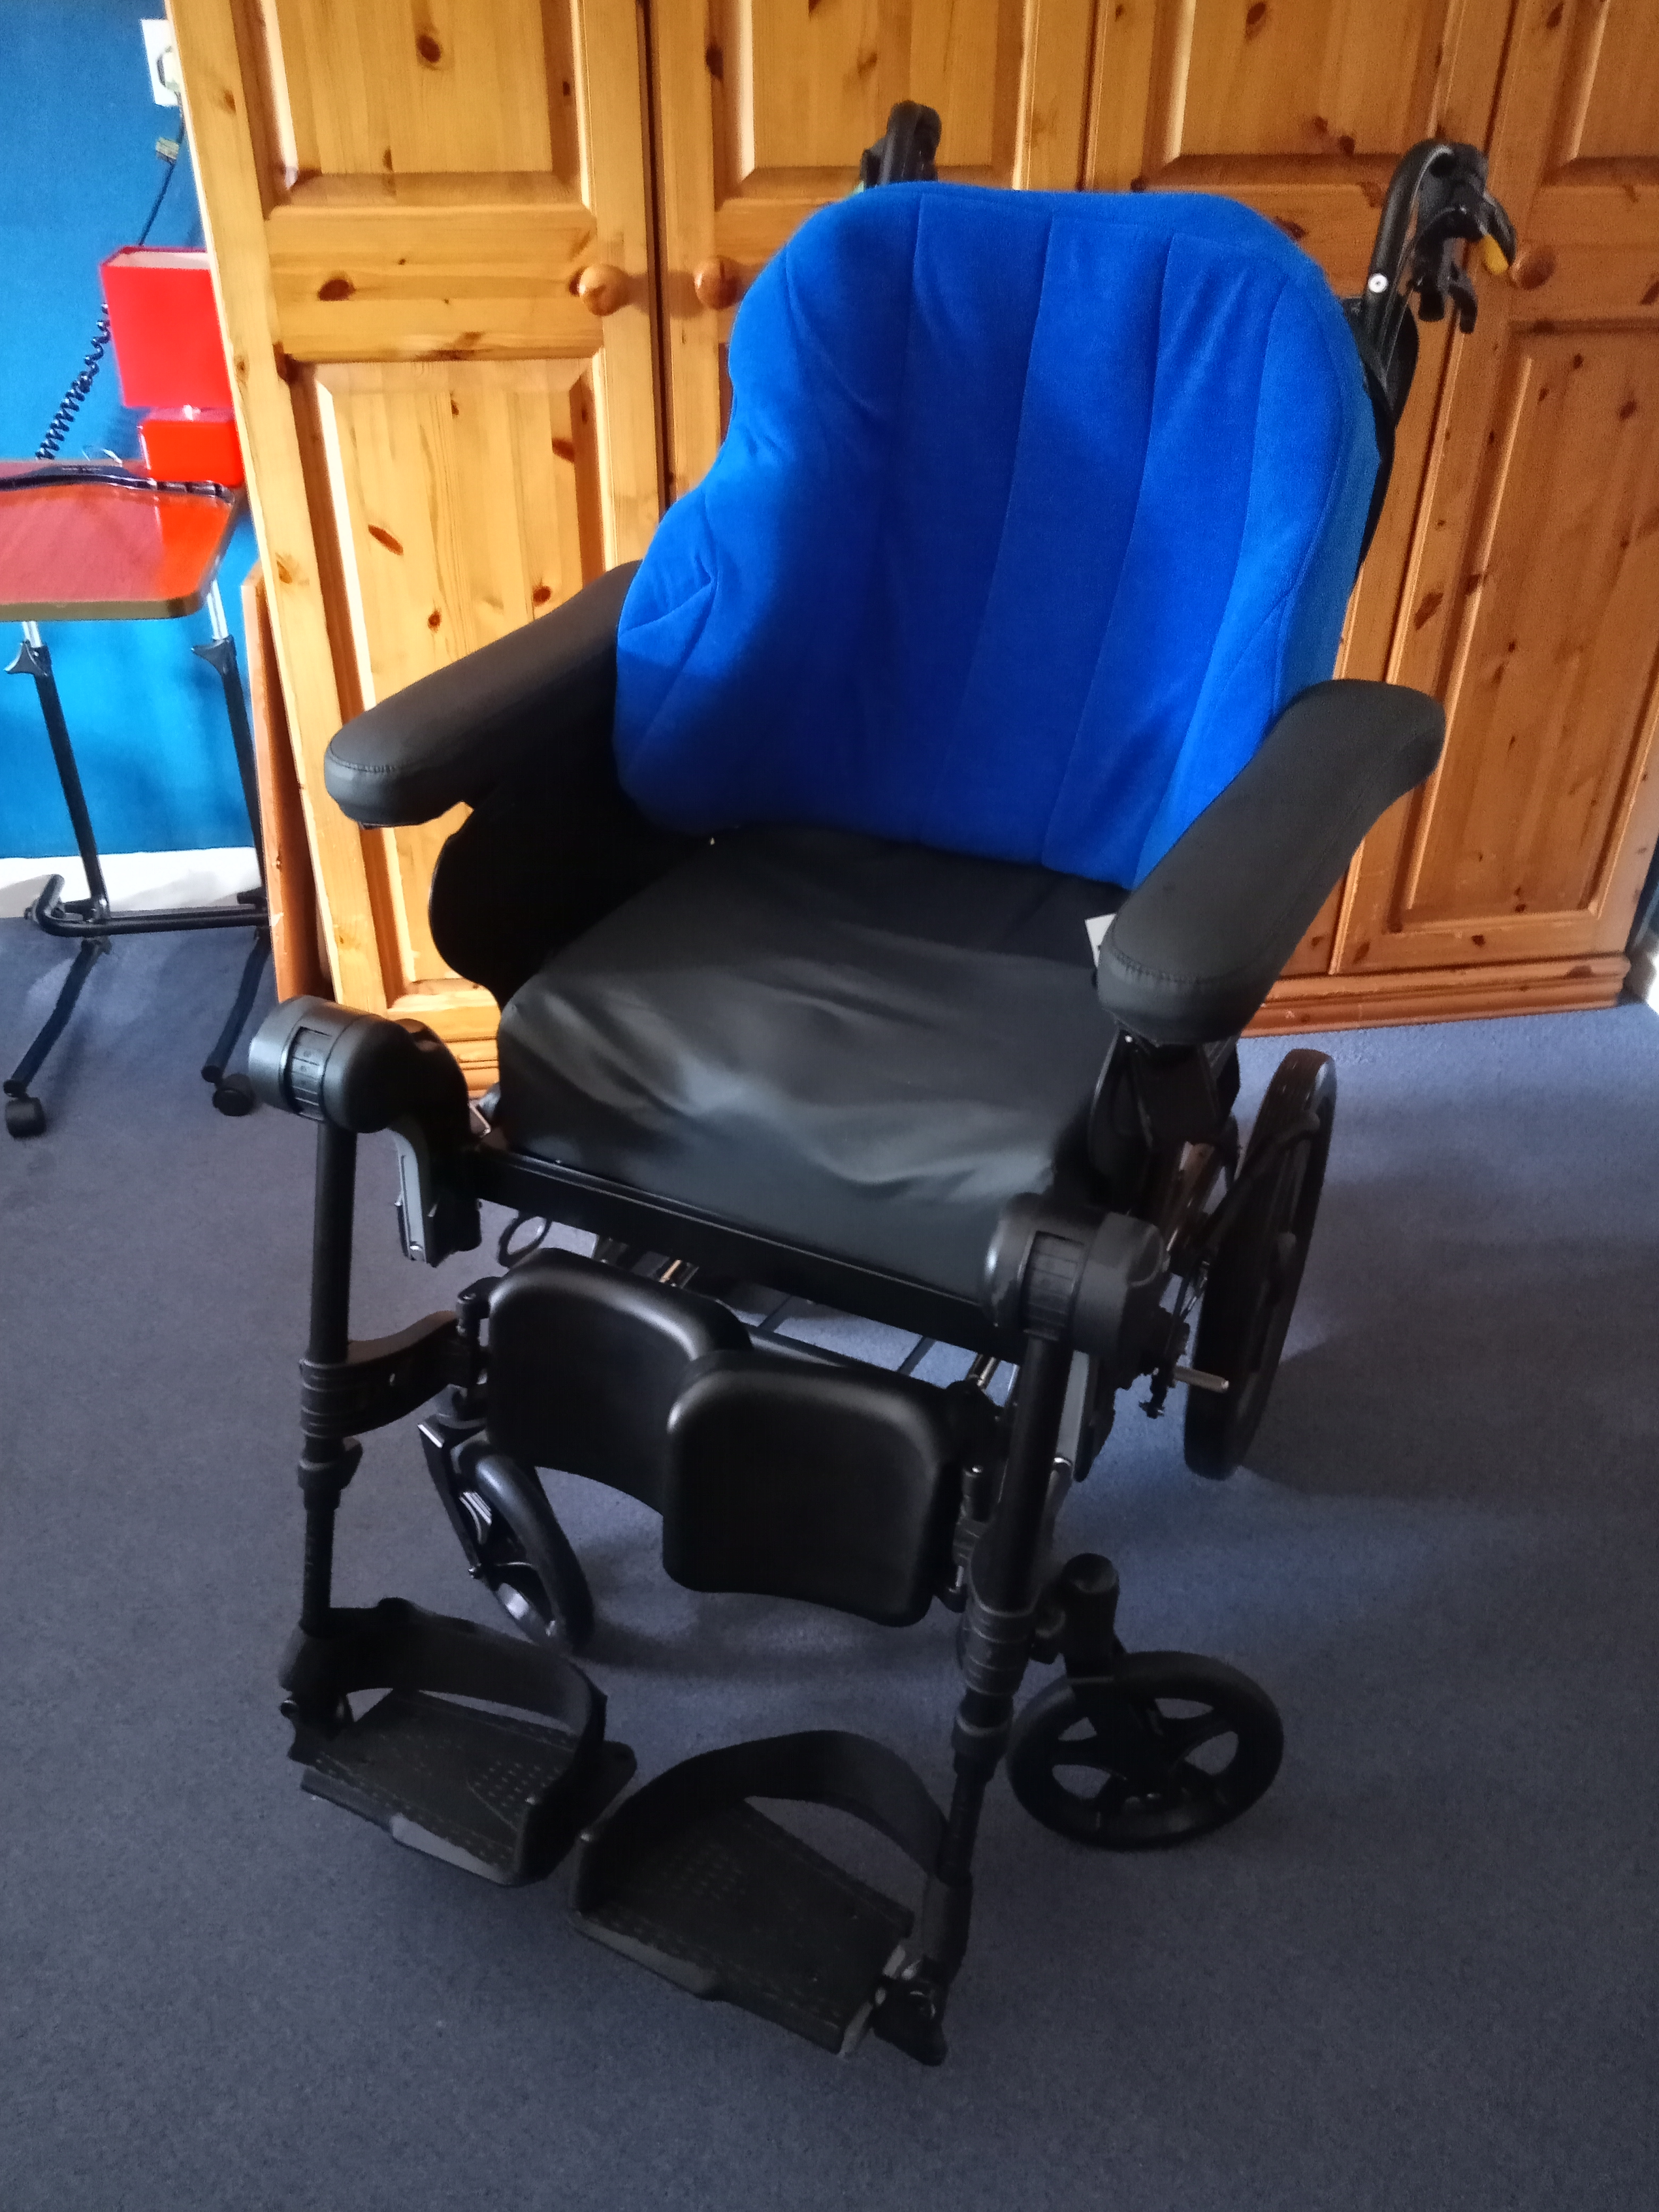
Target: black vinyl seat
840 1042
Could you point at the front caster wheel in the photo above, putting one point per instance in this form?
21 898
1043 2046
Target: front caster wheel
1162 1749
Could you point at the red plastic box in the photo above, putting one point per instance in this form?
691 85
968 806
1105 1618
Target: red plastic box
192 444
165 328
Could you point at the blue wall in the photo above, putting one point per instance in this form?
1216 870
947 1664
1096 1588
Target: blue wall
80 170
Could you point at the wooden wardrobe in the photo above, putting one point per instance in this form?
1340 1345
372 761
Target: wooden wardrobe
477 261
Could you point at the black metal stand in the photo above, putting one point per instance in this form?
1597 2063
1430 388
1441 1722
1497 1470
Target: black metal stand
91 919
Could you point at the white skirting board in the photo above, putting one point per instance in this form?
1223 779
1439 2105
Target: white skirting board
138 880
1643 981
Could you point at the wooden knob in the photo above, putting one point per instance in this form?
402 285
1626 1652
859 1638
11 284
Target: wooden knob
602 289
715 283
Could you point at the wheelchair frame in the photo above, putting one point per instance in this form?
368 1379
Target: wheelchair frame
1076 1298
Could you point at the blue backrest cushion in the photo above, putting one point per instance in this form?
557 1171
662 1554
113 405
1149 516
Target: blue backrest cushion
1034 511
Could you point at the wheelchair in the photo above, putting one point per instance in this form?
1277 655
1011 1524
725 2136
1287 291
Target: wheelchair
875 882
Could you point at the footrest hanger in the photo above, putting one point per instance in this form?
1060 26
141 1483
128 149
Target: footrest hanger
688 1879
503 1793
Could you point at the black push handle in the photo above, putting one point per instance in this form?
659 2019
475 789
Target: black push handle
1437 198
904 153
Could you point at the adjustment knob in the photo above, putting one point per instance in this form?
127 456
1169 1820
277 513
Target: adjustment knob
602 289
715 283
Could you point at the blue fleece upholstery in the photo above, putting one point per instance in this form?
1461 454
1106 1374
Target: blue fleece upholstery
1035 510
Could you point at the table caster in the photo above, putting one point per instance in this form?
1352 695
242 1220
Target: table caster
25 1117
233 1094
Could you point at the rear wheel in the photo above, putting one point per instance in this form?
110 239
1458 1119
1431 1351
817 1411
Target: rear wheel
1250 1293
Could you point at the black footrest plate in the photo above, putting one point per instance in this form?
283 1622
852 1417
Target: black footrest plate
486 1791
737 1907
503 1793
688 1879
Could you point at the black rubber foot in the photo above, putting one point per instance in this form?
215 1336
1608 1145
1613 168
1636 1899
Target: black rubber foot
25 1117
233 1094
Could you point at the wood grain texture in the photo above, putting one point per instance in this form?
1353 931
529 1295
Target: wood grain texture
403 194
1440 994
762 112
1531 604
1612 107
297 961
210 36
382 88
433 571
1298 107
367 269
444 439
1333 79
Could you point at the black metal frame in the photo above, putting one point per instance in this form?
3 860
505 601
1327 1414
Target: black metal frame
92 923
1074 1296
1009 1572
1062 1284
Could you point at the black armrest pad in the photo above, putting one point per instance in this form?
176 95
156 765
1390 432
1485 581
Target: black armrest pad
452 736
1194 950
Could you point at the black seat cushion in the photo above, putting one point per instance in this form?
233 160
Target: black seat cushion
861 1046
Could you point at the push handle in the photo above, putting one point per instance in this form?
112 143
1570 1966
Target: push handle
1438 201
904 153
358 1073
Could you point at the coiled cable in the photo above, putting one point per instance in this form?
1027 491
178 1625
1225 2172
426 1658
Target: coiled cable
75 398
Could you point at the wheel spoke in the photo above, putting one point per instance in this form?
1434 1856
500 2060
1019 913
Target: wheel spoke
1093 1757
1181 1737
1128 1734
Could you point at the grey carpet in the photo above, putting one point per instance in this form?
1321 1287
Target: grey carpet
1420 1974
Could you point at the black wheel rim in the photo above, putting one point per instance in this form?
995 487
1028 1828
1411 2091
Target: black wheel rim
1165 1750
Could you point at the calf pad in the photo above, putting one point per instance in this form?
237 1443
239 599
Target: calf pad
837 1487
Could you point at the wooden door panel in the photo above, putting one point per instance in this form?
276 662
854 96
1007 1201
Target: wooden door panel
443 440
1530 603
1329 78
459 501
365 269
1610 110
384 88
764 109
466 501
805 84
1552 657
1301 108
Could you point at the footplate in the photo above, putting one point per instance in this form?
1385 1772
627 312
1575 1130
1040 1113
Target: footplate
501 1794
736 1907
687 1878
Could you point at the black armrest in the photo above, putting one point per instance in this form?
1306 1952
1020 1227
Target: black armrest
452 736
1194 950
